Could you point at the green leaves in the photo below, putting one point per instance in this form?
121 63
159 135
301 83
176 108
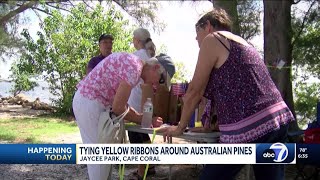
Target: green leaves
249 18
305 54
306 41
181 74
64 46
21 76
307 96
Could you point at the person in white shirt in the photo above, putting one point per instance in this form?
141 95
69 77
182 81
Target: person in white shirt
141 42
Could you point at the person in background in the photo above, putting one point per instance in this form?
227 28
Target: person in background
151 48
105 46
166 62
141 40
143 44
250 108
109 84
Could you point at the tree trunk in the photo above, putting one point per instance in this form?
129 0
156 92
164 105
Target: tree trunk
231 8
277 46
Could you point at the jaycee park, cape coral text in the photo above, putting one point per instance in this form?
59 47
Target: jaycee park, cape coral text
152 154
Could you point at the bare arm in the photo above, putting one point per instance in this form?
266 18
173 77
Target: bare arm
208 58
206 61
120 103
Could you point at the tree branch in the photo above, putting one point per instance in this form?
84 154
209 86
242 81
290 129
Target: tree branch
295 2
87 4
20 9
38 9
56 7
303 23
70 3
38 15
119 3
55 1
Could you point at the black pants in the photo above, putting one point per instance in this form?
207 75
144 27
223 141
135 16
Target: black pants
138 138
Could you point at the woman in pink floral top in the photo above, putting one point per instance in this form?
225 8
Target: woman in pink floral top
109 85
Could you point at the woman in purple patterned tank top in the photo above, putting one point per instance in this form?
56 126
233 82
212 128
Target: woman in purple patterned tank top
250 108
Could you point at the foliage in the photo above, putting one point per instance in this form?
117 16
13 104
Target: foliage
306 42
12 11
245 15
306 47
9 39
22 80
162 49
66 44
307 96
181 74
249 18
143 12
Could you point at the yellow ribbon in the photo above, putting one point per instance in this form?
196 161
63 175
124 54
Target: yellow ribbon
284 67
147 166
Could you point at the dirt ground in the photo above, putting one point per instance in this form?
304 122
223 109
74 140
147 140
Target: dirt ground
71 172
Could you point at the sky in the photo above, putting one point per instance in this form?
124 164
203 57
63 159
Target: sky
178 36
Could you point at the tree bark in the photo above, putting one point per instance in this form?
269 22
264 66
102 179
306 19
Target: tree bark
7 17
277 46
231 8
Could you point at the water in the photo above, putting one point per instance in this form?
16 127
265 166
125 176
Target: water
40 91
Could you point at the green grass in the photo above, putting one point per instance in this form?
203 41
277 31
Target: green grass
35 130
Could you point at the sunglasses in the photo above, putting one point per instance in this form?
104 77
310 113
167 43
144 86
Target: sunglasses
162 79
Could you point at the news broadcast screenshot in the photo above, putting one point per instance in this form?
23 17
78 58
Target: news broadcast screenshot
160 90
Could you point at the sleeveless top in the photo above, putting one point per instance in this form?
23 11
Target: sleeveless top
248 103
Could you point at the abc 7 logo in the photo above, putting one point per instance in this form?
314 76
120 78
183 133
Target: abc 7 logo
277 152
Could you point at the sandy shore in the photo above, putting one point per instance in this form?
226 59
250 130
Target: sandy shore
14 111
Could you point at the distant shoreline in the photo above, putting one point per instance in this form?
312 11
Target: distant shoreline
5 80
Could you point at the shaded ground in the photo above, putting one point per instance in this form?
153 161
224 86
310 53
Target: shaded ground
70 172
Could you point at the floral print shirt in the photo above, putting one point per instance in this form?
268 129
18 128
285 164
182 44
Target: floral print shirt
103 81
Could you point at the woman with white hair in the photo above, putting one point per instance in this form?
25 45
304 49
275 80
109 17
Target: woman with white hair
109 84
142 42
145 50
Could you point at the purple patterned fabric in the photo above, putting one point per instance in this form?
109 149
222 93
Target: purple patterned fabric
206 116
241 88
